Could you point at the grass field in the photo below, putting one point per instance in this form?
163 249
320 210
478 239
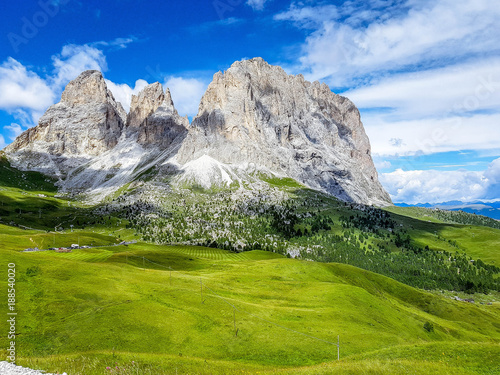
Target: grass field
477 241
86 310
150 309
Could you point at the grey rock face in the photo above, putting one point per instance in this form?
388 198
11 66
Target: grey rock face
87 122
253 117
255 112
145 104
154 117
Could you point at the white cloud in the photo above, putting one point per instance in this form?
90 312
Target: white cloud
455 89
382 164
307 16
123 92
20 88
2 142
75 59
447 109
119 43
186 94
256 4
431 186
427 136
406 35
15 129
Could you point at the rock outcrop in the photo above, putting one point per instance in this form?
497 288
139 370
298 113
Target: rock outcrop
255 112
154 117
254 118
84 124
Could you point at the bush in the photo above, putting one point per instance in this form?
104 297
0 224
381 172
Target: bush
429 327
33 271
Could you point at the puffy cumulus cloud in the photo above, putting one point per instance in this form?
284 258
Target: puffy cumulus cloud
21 88
186 94
14 129
432 186
75 59
123 92
256 4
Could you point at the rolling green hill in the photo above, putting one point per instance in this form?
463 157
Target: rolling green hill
210 287
101 307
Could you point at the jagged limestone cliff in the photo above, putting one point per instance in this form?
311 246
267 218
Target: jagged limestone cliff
85 123
255 112
253 117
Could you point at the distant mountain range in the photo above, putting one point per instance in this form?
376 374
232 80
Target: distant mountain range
490 209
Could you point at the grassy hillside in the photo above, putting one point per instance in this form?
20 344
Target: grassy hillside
111 305
25 181
188 305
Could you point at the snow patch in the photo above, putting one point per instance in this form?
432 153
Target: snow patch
207 172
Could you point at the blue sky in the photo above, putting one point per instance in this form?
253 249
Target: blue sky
424 74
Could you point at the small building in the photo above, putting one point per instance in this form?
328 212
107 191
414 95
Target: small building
63 250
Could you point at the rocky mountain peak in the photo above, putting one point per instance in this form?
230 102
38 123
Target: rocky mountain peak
168 103
88 87
85 123
145 103
255 112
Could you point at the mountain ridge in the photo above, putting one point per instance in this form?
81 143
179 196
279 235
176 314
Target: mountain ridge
478 207
253 117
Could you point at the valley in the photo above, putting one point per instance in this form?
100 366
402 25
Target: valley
215 301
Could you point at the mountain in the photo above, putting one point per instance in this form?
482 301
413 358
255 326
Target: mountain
84 124
255 112
254 120
489 209
91 145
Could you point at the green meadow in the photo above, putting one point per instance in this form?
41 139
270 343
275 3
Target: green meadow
171 309
147 308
